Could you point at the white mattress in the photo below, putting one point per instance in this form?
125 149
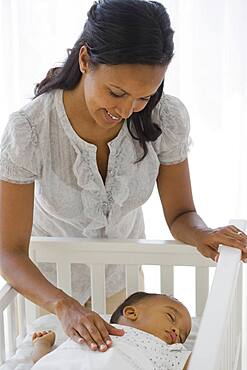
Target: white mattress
22 358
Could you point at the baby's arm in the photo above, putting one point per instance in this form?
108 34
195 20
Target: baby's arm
43 342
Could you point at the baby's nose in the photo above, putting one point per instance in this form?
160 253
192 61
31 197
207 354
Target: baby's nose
176 332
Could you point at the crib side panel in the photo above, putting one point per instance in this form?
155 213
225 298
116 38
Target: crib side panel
131 253
218 344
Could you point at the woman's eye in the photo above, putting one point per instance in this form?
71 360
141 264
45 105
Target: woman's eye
120 96
115 95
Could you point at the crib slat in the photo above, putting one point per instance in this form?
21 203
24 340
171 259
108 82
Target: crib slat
167 280
21 317
239 361
64 276
132 279
98 288
31 311
202 286
2 341
11 325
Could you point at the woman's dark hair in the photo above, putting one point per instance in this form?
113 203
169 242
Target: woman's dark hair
132 299
120 32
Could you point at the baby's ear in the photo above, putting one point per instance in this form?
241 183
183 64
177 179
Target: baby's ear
130 313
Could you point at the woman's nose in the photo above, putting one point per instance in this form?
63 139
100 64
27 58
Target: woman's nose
126 109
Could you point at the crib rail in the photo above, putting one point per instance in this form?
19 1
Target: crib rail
218 343
12 321
132 253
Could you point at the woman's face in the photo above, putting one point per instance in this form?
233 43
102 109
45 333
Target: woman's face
111 93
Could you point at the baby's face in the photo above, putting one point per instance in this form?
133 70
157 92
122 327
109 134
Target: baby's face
161 316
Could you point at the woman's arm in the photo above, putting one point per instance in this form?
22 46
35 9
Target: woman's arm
185 224
16 219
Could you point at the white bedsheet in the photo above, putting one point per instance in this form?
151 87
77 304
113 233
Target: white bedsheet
135 350
22 358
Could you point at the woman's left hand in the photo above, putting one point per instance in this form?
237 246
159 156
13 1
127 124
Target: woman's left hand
209 241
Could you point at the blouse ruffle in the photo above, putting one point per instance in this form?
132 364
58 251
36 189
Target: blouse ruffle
98 200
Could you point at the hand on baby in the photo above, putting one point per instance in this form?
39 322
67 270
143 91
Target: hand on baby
83 325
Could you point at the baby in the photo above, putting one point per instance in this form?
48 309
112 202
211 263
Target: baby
155 327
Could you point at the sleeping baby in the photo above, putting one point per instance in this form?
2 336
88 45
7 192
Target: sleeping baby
155 327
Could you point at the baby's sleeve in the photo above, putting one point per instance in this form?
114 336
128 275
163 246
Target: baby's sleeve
20 157
172 117
176 357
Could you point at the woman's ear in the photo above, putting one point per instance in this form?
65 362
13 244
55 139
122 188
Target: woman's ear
83 59
130 313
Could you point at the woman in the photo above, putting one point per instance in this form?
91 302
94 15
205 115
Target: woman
97 136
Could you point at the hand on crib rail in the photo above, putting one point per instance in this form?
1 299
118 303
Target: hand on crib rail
84 325
209 240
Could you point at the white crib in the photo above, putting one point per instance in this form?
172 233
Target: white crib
219 342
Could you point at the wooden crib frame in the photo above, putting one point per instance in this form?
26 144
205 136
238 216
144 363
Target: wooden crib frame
219 341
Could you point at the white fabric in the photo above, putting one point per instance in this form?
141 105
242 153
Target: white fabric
39 144
22 358
135 350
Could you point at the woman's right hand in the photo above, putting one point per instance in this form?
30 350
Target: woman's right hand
83 325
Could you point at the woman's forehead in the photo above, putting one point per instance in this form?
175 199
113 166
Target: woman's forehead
133 76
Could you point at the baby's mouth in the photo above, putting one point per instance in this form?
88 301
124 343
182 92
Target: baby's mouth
172 336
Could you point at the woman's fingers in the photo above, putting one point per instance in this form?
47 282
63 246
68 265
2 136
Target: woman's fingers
95 332
209 252
101 325
92 335
232 241
80 323
89 336
244 257
114 331
228 235
75 336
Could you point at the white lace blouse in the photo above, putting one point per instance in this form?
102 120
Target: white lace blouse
39 145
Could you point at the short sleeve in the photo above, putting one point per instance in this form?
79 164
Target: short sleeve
172 117
19 152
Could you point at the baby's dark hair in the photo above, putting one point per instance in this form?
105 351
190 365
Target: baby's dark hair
132 299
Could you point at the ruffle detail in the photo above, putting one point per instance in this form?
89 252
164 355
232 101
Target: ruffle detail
119 190
91 193
102 204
